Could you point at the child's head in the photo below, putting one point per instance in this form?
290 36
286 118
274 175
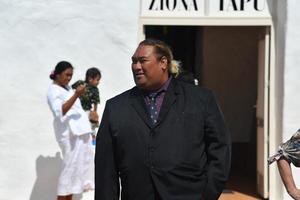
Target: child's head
93 76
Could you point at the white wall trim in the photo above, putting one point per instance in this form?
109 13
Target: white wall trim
275 185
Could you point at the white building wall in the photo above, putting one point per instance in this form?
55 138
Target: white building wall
292 70
291 103
34 36
286 18
278 11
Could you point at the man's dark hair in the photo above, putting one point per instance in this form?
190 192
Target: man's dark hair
163 50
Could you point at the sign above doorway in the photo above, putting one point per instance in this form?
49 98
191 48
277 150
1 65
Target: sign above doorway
205 8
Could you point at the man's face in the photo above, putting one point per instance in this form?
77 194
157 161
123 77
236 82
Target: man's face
149 72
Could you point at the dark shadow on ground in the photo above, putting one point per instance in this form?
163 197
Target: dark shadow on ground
47 173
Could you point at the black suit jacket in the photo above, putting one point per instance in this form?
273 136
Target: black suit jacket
185 156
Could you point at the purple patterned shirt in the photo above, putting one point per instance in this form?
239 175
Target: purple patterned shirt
160 95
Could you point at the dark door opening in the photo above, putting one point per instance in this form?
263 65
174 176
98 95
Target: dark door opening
182 41
224 59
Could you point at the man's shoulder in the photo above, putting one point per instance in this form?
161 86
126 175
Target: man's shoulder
196 95
123 97
191 89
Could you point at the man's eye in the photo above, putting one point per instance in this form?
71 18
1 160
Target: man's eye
134 61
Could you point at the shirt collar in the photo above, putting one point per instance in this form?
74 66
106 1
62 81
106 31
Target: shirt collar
162 89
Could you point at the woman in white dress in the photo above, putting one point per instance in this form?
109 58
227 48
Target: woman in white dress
73 134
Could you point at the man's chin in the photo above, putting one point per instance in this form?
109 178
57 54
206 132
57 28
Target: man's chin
140 83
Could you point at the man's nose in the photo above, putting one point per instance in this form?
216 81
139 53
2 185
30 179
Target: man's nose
137 66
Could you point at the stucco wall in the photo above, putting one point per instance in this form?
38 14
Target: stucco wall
279 16
292 70
291 103
34 36
286 18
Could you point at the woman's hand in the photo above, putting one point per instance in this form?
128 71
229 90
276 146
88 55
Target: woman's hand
295 194
69 103
80 90
94 117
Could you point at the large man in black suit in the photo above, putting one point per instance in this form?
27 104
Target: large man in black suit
163 139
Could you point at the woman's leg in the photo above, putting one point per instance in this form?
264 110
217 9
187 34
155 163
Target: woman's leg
68 197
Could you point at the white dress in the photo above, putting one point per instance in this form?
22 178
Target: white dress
72 132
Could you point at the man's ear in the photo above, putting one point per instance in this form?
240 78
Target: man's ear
164 62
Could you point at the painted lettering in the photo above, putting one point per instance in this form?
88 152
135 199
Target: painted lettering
221 5
151 5
184 4
156 5
256 5
194 5
168 4
242 5
232 5
172 5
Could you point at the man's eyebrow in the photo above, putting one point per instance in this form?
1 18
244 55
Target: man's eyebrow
141 57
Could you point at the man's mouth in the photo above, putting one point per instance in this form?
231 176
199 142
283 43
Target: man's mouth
139 74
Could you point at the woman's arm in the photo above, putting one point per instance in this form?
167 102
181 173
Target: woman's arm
285 172
69 103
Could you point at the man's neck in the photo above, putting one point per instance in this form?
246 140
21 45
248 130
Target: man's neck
162 86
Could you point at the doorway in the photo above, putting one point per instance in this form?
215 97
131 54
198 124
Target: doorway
226 60
184 45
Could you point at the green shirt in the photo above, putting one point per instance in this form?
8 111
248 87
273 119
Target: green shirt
89 97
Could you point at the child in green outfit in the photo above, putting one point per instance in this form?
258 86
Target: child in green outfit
91 98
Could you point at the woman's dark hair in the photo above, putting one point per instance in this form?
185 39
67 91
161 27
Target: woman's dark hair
92 73
59 68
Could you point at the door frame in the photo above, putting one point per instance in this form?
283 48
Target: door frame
262 112
274 181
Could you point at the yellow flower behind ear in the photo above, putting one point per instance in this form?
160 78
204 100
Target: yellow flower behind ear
175 68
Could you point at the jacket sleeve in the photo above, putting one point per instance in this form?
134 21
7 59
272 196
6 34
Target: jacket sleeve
107 185
218 150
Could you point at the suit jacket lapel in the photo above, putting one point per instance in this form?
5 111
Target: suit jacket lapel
169 100
138 103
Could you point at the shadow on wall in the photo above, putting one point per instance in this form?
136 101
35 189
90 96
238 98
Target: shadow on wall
47 173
